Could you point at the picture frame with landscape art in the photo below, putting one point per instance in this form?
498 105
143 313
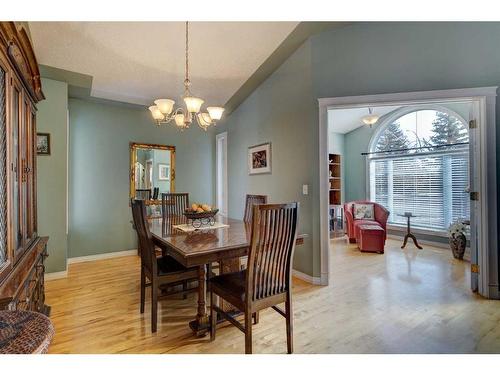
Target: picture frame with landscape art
42 143
259 159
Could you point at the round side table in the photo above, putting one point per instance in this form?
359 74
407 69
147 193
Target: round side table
409 234
24 332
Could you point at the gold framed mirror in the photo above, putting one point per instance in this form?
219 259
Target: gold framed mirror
152 171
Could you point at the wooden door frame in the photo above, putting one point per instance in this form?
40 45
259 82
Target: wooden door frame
486 96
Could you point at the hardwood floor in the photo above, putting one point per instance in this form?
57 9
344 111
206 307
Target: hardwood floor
405 301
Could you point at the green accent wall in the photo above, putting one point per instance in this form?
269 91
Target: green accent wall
360 59
281 111
52 173
99 213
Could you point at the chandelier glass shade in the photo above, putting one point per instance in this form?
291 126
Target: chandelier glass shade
163 110
370 119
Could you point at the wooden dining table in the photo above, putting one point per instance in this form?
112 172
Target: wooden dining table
202 247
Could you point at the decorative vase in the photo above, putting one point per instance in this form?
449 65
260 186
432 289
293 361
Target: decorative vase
457 244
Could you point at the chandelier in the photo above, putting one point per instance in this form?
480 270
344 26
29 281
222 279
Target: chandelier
371 118
163 111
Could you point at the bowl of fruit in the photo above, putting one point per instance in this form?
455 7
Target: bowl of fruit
201 214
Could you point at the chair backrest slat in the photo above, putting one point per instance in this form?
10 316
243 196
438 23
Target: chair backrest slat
274 232
174 204
249 203
148 256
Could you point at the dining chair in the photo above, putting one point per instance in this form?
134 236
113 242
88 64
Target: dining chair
156 193
144 194
250 200
174 204
267 281
161 272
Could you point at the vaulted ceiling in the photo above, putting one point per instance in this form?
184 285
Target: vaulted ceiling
136 62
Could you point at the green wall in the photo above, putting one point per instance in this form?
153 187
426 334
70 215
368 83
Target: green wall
99 214
281 111
360 59
52 173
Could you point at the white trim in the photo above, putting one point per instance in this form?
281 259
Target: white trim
56 275
307 278
218 137
488 257
405 98
440 245
417 230
324 207
89 258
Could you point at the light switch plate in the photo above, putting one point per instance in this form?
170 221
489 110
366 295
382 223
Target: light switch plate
305 189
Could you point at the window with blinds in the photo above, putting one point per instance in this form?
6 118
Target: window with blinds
430 182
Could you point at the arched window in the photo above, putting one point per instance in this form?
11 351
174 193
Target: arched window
419 163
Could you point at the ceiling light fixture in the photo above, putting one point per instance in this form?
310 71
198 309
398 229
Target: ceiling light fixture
163 111
370 119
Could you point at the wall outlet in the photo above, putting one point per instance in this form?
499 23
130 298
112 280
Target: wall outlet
305 189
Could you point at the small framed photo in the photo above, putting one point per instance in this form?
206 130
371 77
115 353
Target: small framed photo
259 159
163 172
42 143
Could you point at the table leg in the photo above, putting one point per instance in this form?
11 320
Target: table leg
415 241
200 324
410 235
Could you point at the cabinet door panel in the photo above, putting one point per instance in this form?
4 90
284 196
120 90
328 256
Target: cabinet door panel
27 175
32 176
16 168
3 169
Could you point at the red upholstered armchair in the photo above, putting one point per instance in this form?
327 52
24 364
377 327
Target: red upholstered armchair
381 216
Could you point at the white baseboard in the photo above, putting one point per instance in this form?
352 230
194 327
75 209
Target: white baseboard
423 242
440 245
89 258
307 278
56 275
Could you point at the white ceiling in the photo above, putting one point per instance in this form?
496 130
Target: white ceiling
347 119
137 62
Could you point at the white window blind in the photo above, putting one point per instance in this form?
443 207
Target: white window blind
432 186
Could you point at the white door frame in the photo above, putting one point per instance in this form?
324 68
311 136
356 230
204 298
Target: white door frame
221 181
486 126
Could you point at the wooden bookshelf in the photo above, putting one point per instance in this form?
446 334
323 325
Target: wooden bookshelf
334 161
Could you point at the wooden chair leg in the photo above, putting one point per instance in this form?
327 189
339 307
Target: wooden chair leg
184 287
213 316
143 290
289 323
248 332
154 306
256 317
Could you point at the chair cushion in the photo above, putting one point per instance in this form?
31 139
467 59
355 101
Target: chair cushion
363 211
24 332
357 223
232 283
167 265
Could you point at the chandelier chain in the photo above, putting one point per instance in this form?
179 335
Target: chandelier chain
187 54
163 111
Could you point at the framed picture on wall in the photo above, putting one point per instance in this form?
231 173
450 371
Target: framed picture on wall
163 172
259 159
42 143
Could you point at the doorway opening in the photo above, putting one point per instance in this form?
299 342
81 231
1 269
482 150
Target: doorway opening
419 156
221 172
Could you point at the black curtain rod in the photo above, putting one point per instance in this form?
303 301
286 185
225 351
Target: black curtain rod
414 148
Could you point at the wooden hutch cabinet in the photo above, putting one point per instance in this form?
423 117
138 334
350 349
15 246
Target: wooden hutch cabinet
22 252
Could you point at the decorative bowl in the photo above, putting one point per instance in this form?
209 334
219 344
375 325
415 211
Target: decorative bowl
201 218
